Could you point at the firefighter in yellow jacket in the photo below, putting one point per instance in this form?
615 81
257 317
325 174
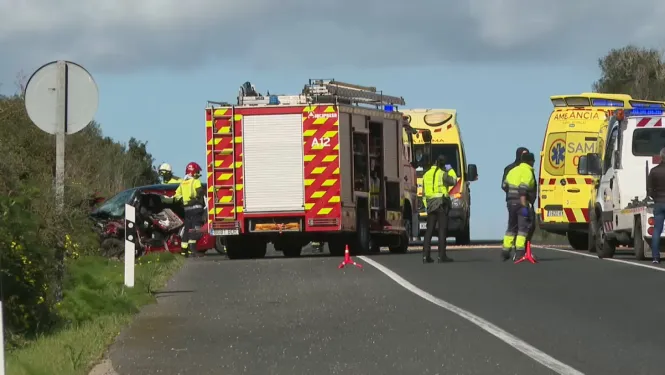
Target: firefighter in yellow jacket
190 191
436 184
521 189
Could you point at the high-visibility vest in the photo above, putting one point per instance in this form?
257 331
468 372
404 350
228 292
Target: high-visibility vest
188 190
520 181
433 186
174 180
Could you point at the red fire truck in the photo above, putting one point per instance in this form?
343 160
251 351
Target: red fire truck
327 165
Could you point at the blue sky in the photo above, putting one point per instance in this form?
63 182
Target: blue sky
495 61
500 108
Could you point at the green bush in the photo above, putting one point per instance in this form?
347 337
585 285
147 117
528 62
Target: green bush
30 231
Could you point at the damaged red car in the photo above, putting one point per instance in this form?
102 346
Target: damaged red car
159 225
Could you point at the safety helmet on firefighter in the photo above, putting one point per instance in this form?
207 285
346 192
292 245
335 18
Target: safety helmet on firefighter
165 168
193 169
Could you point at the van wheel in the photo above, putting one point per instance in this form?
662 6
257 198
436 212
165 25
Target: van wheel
638 240
605 248
403 246
578 240
465 237
594 227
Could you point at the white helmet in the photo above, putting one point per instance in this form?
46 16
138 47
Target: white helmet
165 167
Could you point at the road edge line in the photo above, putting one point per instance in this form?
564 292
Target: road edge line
508 338
648 266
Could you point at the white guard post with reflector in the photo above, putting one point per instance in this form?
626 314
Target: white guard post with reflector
130 247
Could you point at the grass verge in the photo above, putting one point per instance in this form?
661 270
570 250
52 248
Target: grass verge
97 305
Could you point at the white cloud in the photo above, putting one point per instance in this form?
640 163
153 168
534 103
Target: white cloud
128 35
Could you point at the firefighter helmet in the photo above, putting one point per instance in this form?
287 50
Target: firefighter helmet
193 168
165 167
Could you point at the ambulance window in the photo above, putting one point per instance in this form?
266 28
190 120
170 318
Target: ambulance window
609 149
648 142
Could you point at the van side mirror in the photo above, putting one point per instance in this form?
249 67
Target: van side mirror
589 165
472 172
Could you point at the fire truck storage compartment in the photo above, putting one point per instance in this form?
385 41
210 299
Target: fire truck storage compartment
273 162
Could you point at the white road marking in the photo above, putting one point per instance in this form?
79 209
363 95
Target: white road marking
628 262
522 346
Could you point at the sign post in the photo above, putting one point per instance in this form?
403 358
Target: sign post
61 98
130 244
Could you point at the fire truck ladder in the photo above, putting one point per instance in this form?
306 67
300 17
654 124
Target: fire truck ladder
232 152
356 94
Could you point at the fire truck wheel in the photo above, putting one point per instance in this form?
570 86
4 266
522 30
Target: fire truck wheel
336 247
361 244
292 252
638 240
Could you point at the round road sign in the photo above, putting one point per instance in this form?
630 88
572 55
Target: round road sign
41 97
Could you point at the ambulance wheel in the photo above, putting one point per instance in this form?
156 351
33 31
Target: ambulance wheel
578 240
638 240
605 248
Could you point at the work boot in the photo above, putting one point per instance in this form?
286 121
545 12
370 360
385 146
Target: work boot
518 254
505 254
445 259
428 260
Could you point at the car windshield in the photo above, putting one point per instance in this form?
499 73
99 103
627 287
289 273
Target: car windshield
115 207
450 151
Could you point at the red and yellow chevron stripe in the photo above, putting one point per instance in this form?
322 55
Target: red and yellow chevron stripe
322 181
577 215
569 181
224 156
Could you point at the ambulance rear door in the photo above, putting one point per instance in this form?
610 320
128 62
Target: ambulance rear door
553 166
577 188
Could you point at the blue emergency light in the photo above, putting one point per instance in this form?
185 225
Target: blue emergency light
389 108
606 103
647 105
273 100
645 112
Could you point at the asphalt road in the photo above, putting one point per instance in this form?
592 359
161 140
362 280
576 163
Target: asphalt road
305 316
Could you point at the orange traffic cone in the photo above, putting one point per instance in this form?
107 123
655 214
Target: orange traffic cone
347 259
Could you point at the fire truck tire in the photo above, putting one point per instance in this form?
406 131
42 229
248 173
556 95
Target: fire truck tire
258 250
638 239
292 252
219 246
361 243
605 248
336 247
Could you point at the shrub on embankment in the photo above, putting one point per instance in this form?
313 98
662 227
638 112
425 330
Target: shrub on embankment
29 229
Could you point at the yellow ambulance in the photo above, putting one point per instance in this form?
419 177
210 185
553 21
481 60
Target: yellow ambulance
573 130
446 139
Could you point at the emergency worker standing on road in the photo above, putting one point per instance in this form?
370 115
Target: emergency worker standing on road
521 189
192 195
166 173
436 183
656 190
518 159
